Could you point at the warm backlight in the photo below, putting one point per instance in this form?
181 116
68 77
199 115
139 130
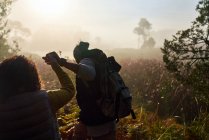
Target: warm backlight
51 8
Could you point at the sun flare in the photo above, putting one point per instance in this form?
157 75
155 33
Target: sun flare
51 8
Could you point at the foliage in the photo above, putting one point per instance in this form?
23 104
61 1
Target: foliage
203 11
149 43
18 33
150 84
187 54
143 27
143 30
166 108
199 128
157 90
152 87
5 49
67 118
149 126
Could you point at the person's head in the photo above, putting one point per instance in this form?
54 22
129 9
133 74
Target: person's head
80 51
18 75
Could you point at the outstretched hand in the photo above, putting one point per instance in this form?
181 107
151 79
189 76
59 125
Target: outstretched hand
51 57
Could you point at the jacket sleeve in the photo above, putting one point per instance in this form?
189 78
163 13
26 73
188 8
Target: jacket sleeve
59 97
87 70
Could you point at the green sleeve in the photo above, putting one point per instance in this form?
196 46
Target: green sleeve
59 97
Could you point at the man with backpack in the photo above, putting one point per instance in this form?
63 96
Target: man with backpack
98 126
102 95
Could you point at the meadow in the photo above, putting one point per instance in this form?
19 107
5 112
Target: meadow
165 108
169 85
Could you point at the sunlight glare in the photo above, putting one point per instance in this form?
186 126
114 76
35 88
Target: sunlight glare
51 8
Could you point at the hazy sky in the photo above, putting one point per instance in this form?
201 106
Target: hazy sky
61 24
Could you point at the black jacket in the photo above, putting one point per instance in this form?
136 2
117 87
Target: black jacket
27 117
90 113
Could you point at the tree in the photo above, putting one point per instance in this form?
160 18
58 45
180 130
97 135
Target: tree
17 31
5 49
143 30
149 43
187 54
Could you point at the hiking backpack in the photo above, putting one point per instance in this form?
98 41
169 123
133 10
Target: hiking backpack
114 98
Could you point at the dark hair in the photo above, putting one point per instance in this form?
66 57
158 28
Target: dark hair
18 75
81 50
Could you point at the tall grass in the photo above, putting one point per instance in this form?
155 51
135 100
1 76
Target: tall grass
165 108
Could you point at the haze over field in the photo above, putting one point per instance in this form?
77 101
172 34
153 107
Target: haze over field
48 25
162 47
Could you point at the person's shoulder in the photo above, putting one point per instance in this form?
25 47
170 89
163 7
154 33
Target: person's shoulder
87 60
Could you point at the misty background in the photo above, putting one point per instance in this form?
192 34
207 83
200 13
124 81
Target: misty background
166 72
40 27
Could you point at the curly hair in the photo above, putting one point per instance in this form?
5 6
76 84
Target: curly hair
18 75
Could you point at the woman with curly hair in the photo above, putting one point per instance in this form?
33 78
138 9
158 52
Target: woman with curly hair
26 111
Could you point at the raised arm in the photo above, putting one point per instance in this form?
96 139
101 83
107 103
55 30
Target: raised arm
85 69
59 97
71 66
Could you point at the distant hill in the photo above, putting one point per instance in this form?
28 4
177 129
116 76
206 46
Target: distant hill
118 53
131 53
